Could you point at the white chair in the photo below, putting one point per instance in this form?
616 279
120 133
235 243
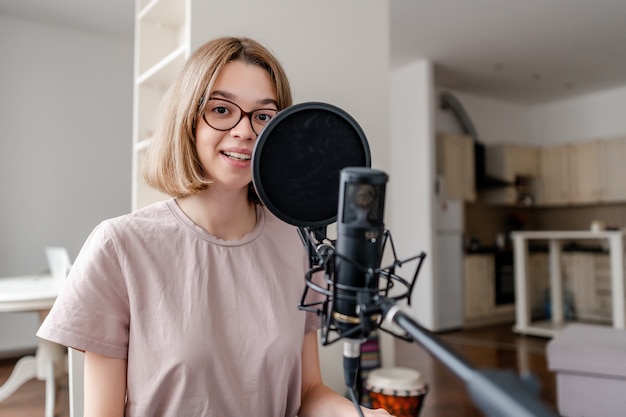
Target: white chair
58 262
76 371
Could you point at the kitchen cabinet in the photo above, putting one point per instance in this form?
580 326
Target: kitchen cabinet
479 285
587 172
579 274
588 277
455 165
613 153
480 298
509 162
553 186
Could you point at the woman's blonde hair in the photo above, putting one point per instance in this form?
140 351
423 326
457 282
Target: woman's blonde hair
171 163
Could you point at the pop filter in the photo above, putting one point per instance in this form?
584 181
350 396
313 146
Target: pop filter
297 160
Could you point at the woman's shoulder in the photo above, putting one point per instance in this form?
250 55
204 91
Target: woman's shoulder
140 219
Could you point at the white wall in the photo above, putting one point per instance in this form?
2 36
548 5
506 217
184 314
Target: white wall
412 127
65 126
495 121
591 116
598 115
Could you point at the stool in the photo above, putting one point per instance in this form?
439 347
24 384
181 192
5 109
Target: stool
590 366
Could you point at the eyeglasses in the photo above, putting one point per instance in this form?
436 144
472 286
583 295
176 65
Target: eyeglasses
223 115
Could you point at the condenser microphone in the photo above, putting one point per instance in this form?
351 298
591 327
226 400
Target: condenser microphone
358 254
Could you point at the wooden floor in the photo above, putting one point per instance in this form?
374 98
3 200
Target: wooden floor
494 347
490 348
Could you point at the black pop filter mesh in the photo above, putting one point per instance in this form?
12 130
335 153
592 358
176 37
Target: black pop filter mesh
297 160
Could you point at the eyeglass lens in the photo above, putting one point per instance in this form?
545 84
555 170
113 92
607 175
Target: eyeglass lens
222 114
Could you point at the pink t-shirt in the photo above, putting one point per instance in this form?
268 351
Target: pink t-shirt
209 327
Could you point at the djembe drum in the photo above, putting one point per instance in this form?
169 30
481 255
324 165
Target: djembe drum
400 391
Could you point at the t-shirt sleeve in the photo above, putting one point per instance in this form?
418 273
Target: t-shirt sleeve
92 310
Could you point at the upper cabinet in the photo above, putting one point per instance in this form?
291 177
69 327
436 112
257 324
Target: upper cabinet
578 173
508 161
613 154
587 176
516 164
161 48
581 173
455 166
553 185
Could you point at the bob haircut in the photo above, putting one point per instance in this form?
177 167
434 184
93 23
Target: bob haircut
171 162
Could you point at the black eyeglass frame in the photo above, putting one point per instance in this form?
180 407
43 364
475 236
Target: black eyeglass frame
243 114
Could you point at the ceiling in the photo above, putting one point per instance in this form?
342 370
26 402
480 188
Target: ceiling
528 52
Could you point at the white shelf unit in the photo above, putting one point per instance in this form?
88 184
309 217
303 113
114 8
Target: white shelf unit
161 48
523 320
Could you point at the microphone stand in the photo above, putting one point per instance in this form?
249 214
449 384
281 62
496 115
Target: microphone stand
496 393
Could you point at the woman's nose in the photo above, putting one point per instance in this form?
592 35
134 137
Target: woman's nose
243 129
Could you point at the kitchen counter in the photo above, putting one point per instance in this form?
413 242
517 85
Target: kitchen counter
555 240
540 248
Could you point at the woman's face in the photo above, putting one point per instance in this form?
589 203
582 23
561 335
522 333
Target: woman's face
226 155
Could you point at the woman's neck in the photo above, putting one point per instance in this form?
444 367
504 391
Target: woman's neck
228 216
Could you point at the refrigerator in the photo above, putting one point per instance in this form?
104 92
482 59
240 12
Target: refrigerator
448 282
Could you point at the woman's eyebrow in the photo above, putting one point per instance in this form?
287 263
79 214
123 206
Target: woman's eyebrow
230 96
223 94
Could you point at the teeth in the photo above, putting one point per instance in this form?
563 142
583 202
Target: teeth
238 155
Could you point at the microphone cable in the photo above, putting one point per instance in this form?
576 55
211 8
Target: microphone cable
352 390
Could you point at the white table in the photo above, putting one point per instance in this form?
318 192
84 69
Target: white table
34 293
523 323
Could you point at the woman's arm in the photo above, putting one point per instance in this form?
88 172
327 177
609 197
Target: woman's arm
105 386
317 399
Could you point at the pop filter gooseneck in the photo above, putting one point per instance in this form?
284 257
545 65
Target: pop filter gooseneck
298 158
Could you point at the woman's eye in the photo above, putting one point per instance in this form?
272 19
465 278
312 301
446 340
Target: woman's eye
221 110
265 116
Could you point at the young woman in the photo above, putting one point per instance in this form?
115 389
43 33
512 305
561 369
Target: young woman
188 307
